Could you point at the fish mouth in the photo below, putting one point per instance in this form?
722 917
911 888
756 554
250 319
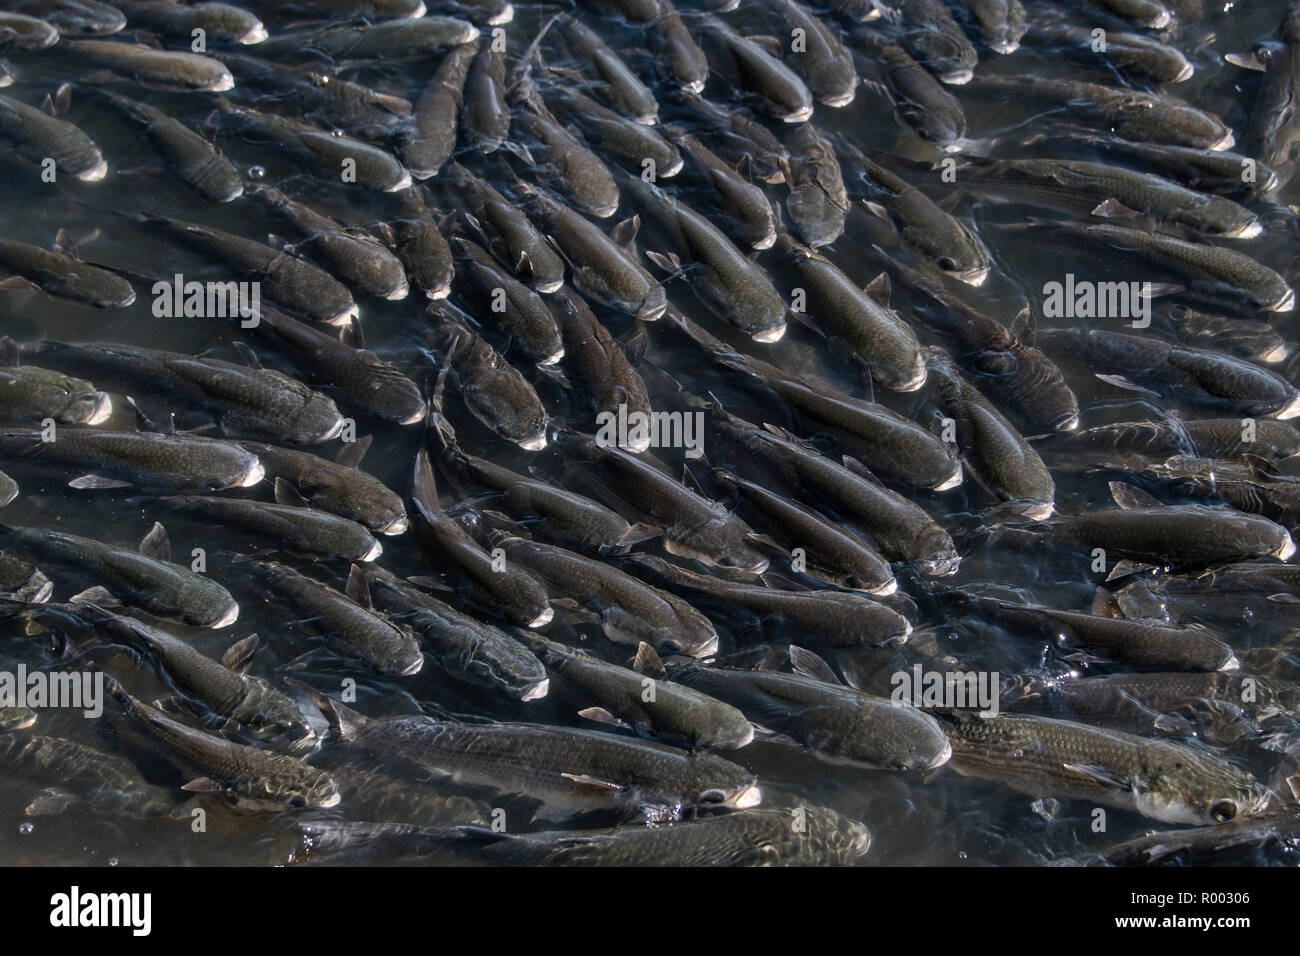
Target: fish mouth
103 409
232 195
915 382
974 277
553 358
604 212
707 649
1284 304
403 183
695 86
538 690
419 11
471 34
773 334
648 119
1286 550
1231 664
412 668
1290 410
347 315
375 551
1161 20
441 292
334 431
652 313
798 116
254 474
673 170
751 796
534 443
767 242
228 618
1276 355
95 173
952 481
743 742
1227 142
641 444
883 590
937 568
1005 47
416 417
24 723
331 801
546 288
940 758
398 292
1248 230
1184 74
958 77
256 35
396 526
542 619
505 16
225 82
841 99
1040 512
1069 424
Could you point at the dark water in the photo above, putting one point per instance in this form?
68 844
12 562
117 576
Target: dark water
915 819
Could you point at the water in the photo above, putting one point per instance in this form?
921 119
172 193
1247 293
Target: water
915 819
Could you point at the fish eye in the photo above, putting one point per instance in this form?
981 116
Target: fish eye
298 802
1223 811
713 796
949 264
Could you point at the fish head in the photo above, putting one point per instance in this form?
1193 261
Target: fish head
1182 786
275 790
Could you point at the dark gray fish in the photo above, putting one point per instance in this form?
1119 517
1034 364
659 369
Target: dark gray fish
920 102
1139 643
617 83
320 97
332 486
1131 114
331 155
63 276
387 40
602 269
773 86
744 838
221 686
352 254
340 9
23 581
493 390
109 459
500 301
1281 826
594 361
565 768
151 584
462 646
823 62
939 237
1001 22
876 337
838 724
354 629
507 231
1195 375
693 526
1041 756
500 589
191 157
73 17
30 394
826 618
359 379
253 402
994 451
1254 486
26 33
485 114
431 137
218 21
1273 130
687 63
252 778
818 203
1153 14
286 279
1221 172
748 216
421 246
74 774
172 70
1204 438
732 285
938 43
1136 57
739 138
296 530
629 610
1247 339
637 145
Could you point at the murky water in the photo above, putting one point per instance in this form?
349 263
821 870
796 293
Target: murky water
928 818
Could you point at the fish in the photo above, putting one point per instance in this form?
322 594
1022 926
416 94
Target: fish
22 581
1002 23
289 528
27 33
824 63
501 300
333 486
172 70
192 158
99 458
993 450
634 144
464 647
220 21
420 245
837 724
384 40
252 778
76 774
63 276
1272 131
921 103
354 255
938 43
146 579
1201 437
686 62
356 630
739 137
748 216
244 401
431 137
629 611
1042 756
617 83
499 589
1136 57
621 697
74 17
772 85
485 115
29 394
595 361
563 767
818 203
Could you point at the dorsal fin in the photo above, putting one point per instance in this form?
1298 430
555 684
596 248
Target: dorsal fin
156 544
351 453
647 662
880 289
1130 497
240 654
358 588
344 721
287 494
808 664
